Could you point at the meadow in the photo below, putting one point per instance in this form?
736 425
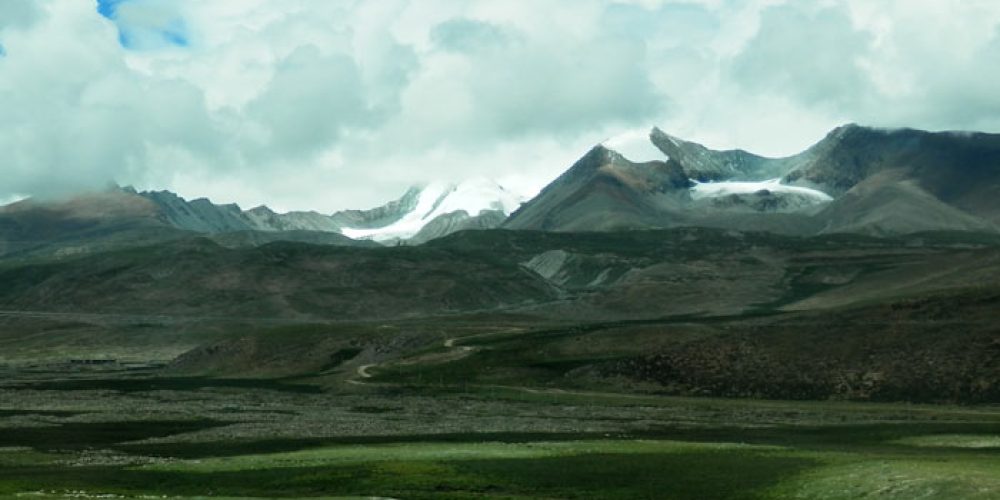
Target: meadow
97 436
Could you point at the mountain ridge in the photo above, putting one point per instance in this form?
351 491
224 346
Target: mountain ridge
46 221
855 179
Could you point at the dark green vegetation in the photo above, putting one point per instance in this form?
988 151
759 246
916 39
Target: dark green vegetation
491 442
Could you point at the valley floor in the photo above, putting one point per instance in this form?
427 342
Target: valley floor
113 432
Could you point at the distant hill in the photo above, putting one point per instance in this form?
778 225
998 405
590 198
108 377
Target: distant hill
120 218
635 274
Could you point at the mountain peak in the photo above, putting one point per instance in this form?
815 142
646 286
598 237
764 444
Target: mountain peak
636 146
262 210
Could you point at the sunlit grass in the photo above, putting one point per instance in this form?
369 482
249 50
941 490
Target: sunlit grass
900 478
976 441
417 452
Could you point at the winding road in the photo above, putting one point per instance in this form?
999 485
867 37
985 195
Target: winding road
363 372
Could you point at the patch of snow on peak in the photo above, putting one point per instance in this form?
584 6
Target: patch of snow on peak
636 146
478 195
10 200
440 198
725 188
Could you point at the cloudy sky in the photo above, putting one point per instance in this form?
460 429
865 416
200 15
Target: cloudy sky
327 104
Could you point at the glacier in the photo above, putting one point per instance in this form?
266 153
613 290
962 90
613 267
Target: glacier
440 198
724 188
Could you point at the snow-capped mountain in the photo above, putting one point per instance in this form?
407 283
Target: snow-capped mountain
203 216
465 201
652 179
421 214
856 179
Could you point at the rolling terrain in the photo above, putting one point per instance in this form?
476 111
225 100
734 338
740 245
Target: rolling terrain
691 324
682 311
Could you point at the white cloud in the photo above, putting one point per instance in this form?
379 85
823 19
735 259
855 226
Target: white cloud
18 14
331 104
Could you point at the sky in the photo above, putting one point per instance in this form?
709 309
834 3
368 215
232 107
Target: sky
331 104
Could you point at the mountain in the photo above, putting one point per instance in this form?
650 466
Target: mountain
888 203
421 214
686 185
82 224
435 210
959 170
124 217
380 216
453 222
265 219
603 190
856 179
203 216
118 218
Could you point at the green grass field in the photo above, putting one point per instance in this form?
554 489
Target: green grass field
685 448
554 469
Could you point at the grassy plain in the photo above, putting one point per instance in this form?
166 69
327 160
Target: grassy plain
92 435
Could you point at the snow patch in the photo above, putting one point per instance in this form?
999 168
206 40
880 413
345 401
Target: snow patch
14 198
718 189
636 146
440 198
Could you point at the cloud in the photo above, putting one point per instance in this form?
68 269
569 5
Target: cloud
318 104
310 100
813 55
921 64
75 116
671 23
489 83
18 14
468 35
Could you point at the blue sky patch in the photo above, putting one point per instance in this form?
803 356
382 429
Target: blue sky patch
146 24
107 7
